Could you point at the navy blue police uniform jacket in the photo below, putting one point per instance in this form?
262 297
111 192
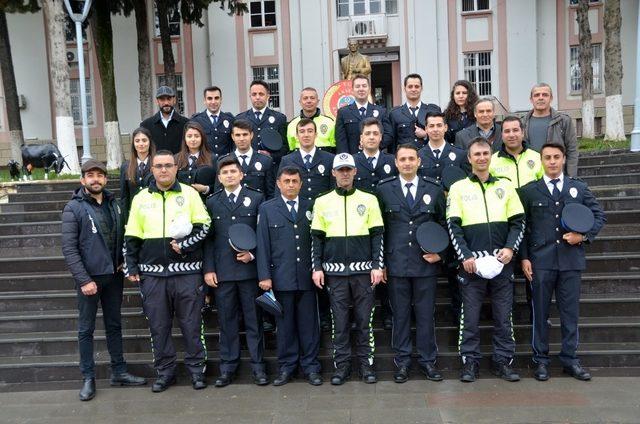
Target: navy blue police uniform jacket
367 178
259 174
403 123
403 255
348 127
219 257
284 245
218 136
543 244
316 179
270 119
449 156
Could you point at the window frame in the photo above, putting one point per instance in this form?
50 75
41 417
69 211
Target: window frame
476 7
76 105
367 8
273 83
479 70
180 102
597 86
263 14
156 23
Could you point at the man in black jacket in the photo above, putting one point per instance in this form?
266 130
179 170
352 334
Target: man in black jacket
92 233
167 125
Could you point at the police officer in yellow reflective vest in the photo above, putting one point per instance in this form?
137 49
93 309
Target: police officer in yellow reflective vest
515 160
325 126
347 245
163 253
486 224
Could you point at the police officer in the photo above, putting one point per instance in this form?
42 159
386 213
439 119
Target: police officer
314 164
92 232
486 223
261 116
325 126
284 264
553 258
515 160
169 268
258 169
347 246
348 126
216 123
373 165
408 201
408 121
437 154
233 274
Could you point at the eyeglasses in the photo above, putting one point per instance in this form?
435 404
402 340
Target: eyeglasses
160 166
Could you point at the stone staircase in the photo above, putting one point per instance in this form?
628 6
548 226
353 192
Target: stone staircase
38 317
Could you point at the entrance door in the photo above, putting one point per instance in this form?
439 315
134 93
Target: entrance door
381 84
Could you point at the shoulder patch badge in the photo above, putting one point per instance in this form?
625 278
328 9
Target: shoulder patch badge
427 199
246 201
321 168
573 192
531 163
180 200
272 119
258 166
500 193
387 168
452 156
361 209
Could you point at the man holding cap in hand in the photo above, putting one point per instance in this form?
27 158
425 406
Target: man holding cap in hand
347 245
408 201
486 224
553 256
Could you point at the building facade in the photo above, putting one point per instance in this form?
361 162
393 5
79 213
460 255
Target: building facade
504 47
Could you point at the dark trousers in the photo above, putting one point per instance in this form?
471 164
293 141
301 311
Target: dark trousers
109 297
473 292
454 291
382 293
298 331
182 297
343 292
421 291
231 296
566 285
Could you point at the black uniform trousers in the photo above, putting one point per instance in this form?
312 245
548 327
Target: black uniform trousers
182 297
344 291
422 291
298 332
231 296
566 285
109 296
473 292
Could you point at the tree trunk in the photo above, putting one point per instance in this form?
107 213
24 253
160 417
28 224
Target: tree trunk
144 60
14 120
613 71
100 20
168 60
586 71
59 73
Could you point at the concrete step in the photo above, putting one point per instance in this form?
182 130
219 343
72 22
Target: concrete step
608 169
608 158
43 205
37 196
34 264
612 179
619 229
623 216
607 330
66 185
45 227
30 217
610 204
616 191
618 262
65 367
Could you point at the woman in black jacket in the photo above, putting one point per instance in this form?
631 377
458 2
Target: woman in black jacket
135 174
195 161
459 112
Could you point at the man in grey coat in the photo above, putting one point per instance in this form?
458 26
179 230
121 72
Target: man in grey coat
485 126
543 124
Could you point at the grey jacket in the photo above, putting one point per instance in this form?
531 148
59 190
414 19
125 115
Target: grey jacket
561 131
464 137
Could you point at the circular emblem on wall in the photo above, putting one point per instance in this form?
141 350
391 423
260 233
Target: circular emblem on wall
337 96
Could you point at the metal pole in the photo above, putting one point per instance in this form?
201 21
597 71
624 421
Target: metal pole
79 19
635 134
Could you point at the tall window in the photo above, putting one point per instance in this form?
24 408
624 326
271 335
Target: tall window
270 75
76 108
477 70
179 91
263 13
346 8
473 5
174 20
575 75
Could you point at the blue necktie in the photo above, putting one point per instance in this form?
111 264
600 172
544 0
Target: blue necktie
555 193
232 198
436 153
214 120
370 161
307 161
362 110
292 204
258 116
409 196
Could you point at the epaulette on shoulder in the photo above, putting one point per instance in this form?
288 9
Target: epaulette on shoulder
396 108
194 115
529 184
324 193
431 180
386 180
215 192
253 189
326 116
580 180
502 177
223 156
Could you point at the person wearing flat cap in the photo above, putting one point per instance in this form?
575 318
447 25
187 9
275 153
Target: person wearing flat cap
347 253
232 272
92 233
167 125
553 255
486 224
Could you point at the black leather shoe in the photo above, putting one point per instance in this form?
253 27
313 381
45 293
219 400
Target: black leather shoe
469 372
282 379
367 374
126 379
431 372
505 372
260 378
541 373
163 382
224 380
401 375
315 379
198 382
88 390
340 376
576 371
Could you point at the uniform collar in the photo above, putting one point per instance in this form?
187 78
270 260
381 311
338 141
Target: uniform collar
153 187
